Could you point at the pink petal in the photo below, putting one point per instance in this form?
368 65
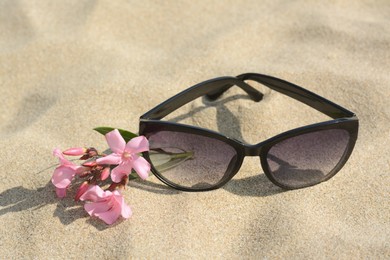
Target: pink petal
120 171
63 161
117 176
137 145
57 153
61 193
110 216
89 208
76 151
94 208
94 193
116 141
125 209
113 158
63 176
141 166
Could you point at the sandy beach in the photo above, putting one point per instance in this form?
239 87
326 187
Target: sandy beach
69 66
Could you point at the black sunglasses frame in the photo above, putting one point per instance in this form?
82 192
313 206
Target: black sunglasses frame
343 119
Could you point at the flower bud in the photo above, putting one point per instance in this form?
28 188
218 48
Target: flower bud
81 190
84 174
92 152
82 169
105 173
75 151
90 164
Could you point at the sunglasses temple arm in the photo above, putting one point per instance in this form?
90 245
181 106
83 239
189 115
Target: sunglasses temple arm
214 87
303 95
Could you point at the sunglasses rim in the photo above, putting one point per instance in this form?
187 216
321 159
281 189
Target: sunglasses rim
351 126
261 149
177 127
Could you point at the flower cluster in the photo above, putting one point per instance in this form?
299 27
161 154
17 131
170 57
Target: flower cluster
94 173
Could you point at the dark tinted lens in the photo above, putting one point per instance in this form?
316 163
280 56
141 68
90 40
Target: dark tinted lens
308 158
190 160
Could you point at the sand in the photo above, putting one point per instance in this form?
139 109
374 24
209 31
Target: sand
69 66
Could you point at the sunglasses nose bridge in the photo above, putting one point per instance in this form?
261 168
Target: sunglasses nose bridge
252 150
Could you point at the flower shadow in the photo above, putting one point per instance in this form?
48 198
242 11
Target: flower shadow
19 199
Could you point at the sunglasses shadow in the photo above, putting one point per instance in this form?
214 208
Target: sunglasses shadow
153 187
253 186
207 103
227 123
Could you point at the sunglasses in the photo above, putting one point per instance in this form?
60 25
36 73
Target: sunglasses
190 158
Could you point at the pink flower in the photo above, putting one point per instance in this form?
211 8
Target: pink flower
125 155
64 173
106 205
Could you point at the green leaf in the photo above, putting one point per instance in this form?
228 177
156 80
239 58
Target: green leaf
133 175
163 160
127 135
